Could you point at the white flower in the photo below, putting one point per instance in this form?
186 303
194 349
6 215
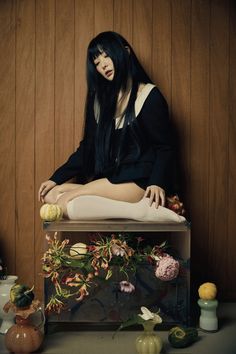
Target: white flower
156 258
126 286
148 315
117 250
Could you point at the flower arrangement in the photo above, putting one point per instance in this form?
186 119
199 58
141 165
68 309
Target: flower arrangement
73 270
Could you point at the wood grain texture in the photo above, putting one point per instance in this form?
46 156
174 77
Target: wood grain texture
103 16
161 44
199 143
44 119
142 33
123 18
219 120
7 134
64 80
181 24
189 49
84 18
25 132
231 244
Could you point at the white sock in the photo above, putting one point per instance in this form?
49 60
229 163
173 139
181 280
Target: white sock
91 207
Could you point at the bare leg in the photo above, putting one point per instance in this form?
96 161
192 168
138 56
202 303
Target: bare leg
101 199
92 207
53 195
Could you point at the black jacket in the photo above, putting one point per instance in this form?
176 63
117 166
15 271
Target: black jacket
156 159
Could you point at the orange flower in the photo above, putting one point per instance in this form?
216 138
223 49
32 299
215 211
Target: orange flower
54 305
83 292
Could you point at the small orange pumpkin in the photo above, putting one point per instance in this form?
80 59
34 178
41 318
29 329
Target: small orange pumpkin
207 291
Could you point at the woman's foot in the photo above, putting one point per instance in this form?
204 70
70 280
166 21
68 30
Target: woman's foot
62 200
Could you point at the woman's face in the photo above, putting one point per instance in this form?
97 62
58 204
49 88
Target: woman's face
105 66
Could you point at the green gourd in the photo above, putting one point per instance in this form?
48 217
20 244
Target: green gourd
21 295
181 337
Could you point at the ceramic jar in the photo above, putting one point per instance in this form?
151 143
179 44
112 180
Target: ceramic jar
148 342
5 287
23 337
208 320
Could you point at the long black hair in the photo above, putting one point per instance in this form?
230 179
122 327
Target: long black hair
105 93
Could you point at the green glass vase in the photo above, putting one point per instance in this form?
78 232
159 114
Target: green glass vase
208 320
148 342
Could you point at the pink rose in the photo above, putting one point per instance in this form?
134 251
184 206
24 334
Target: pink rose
167 268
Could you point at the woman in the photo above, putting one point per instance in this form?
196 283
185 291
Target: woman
127 152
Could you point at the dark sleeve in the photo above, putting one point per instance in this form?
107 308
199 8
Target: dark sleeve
71 168
158 131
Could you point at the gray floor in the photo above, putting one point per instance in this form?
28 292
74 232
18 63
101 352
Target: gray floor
221 342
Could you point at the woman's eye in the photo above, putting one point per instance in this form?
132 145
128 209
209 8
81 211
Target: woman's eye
96 64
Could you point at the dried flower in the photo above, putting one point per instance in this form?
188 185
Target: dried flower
167 268
54 305
82 282
126 286
173 203
117 250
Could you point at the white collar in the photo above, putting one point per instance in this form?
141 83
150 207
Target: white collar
139 102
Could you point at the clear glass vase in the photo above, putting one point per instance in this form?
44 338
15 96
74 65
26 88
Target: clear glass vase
148 342
7 318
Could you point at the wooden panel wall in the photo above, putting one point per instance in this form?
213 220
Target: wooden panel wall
25 139
8 133
188 47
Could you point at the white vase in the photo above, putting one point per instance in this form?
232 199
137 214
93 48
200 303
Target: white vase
7 318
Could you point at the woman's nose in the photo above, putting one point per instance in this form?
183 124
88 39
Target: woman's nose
104 64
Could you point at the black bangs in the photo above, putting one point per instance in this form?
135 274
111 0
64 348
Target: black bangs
97 46
110 43
95 51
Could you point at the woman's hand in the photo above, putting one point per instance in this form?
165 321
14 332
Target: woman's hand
156 195
44 189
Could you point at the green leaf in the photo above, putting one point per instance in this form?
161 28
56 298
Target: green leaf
130 322
109 274
75 263
163 244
